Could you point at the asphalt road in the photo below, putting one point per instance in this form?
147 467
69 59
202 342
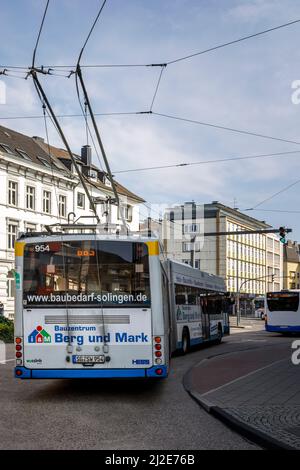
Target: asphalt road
111 415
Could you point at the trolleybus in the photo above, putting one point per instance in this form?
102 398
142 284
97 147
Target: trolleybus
108 306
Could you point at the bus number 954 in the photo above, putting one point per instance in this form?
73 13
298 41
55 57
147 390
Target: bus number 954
41 248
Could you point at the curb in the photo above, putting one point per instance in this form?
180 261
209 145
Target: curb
255 435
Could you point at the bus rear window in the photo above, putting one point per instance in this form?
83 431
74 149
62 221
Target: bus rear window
90 272
285 302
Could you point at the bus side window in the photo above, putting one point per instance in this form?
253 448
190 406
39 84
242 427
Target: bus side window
192 299
180 299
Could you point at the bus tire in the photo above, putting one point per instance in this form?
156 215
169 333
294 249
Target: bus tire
220 334
185 341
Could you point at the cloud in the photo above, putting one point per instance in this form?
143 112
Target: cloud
246 86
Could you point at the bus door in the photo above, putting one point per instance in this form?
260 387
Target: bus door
205 317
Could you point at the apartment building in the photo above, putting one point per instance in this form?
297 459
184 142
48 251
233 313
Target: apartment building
250 263
41 188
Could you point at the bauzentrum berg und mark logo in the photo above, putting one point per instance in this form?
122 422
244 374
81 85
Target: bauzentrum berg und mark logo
39 335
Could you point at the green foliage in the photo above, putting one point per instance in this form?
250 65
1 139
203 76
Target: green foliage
6 330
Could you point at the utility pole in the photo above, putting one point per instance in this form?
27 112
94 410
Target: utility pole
237 307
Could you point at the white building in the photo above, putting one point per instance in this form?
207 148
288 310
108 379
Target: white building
38 189
246 262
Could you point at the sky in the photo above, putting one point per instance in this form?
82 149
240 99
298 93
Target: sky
247 86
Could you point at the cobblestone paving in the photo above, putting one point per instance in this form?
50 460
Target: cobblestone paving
280 423
267 400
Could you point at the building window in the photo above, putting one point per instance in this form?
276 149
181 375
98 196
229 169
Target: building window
191 228
62 206
125 212
12 230
30 198
47 202
6 148
197 263
81 200
44 162
186 246
29 228
23 154
12 193
10 285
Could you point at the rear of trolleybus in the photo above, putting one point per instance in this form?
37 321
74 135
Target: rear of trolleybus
283 311
89 306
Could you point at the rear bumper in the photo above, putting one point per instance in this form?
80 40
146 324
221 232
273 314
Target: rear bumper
89 373
282 329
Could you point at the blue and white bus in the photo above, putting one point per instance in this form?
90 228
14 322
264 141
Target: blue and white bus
283 311
108 306
199 305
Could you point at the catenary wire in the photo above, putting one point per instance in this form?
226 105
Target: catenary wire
284 189
205 162
186 57
231 129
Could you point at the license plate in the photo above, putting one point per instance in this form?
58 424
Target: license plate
86 359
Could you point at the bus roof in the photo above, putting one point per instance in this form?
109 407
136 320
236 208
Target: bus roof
58 237
184 274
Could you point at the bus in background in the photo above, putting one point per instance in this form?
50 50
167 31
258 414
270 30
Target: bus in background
259 307
200 307
92 306
283 311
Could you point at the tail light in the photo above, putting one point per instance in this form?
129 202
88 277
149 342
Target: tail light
158 350
19 352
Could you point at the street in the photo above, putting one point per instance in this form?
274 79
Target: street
87 414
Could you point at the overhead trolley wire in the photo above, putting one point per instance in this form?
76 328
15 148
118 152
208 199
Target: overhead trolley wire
225 128
207 162
176 60
284 211
283 190
235 41
157 87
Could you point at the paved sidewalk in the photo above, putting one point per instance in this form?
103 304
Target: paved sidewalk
246 323
256 392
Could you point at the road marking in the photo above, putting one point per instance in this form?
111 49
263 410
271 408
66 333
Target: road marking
243 377
7 360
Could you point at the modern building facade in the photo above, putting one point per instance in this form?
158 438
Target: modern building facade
40 188
250 263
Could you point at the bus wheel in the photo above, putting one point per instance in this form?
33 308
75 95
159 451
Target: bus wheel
220 334
185 341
